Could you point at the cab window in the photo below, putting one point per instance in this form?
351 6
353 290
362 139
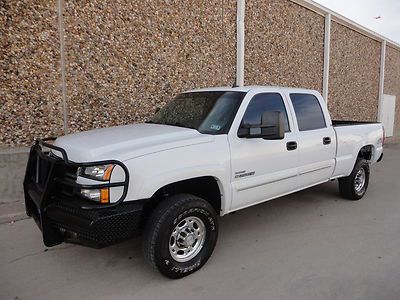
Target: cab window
264 102
308 111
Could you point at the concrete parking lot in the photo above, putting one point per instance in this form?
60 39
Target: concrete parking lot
309 245
12 170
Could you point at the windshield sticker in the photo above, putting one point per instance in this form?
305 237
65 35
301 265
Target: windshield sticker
215 127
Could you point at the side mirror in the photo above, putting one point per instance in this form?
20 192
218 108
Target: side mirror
272 127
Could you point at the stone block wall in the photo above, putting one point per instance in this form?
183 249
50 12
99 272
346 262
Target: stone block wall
123 59
354 75
392 84
30 86
126 58
284 45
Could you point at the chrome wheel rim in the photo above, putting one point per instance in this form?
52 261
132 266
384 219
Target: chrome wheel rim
187 239
359 181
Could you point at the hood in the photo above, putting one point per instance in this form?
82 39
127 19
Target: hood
126 142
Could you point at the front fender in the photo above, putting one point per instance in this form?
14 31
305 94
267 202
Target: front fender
160 180
151 172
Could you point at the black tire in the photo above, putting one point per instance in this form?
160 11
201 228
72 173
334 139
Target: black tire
161 224
347 185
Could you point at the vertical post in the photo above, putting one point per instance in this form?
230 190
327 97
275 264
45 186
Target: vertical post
381 79
327 50
223 43
60 9
240 42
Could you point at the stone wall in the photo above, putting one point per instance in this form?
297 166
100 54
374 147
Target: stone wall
126 58
284 45
123 60
30 89
354 75
392 83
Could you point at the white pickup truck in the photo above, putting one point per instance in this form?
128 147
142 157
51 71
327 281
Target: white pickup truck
207 153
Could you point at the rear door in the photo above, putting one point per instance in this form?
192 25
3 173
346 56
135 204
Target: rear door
262 169
316 138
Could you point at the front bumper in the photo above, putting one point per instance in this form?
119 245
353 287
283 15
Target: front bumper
52 198
93 228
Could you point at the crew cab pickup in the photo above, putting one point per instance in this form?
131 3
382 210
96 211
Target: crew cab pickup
206 153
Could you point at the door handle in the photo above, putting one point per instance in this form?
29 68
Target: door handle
326 140
291 145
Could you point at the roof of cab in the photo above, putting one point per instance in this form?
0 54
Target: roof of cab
246 89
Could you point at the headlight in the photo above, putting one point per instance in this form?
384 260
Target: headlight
98 173
102 172
98 195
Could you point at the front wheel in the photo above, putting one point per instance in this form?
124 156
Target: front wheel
180 235
354 186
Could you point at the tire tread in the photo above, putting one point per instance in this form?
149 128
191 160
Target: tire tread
346 184
154 223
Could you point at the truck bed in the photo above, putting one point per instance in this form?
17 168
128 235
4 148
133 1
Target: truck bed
337 123
350 138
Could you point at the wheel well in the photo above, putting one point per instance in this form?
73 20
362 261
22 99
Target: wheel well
366 152
204 187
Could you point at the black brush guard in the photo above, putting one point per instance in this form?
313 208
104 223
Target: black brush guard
53 199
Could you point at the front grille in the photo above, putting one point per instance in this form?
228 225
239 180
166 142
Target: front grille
42 171
52 197
43 167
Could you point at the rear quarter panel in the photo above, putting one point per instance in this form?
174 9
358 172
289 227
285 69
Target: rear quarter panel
350 139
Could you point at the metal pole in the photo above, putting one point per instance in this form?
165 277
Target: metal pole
327 50
240 42
60 8
381 79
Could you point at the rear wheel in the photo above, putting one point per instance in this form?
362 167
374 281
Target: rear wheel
180 235
354 186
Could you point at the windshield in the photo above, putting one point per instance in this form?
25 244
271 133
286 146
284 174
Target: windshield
207 112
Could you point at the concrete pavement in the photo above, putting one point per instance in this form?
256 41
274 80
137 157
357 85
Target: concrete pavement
309 245
12 170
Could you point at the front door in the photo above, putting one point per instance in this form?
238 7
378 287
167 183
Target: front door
263 169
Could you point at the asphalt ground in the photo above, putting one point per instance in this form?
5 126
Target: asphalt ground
308 245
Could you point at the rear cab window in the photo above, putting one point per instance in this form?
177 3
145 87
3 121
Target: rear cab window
308 111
